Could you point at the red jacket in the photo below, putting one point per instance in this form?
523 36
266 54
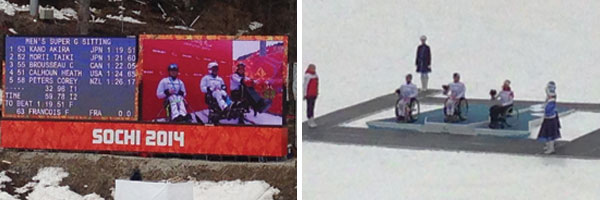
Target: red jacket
311 84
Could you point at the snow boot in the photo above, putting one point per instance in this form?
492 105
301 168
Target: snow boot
311 123
549 147
424 81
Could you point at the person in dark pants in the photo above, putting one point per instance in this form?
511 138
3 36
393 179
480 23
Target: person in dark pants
423 62
311 91
504 101
550 130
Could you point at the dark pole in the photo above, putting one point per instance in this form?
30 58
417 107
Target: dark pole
84 16
33 8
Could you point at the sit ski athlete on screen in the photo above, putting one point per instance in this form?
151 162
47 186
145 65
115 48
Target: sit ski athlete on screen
242 90
214 85
173 90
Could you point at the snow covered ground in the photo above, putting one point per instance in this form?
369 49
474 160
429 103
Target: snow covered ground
363 49
46 186
67 13
358 172
574 125
234 190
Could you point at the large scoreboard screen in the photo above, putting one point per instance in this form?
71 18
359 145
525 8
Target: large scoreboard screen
70 78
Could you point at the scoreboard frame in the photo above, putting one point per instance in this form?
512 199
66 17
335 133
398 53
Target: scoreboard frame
136 114
82 133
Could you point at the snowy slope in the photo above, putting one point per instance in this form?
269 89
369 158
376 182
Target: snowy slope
362 49
357 172
45 185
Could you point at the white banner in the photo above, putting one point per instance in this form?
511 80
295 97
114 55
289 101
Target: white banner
135 190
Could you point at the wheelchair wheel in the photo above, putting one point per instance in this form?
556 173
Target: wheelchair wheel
511 116
414 110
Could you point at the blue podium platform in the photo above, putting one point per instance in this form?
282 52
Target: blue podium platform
476 123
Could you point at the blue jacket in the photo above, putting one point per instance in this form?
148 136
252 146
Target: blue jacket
550 109
423 59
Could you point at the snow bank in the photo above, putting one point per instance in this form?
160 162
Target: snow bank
6 196
125 19
185 28
62 14
5 179
255 25
65 14
347 172
97 20
234 190
45 186
11 8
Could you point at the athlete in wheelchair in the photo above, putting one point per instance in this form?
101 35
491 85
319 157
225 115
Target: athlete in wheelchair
172 90
456 105
243 93
216 97
502 114
407 105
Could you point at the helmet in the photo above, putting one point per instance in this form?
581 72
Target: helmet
212 64
173 67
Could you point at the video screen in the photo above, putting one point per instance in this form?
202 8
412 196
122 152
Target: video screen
213 79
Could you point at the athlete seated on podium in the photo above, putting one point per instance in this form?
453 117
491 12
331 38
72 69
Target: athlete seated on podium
242 89
173 91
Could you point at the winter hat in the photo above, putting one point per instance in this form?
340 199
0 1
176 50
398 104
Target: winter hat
311 69
212 64
551 89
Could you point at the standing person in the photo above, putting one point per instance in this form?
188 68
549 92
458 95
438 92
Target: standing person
311 91
423 62
549 131
502 105
407 93
173 89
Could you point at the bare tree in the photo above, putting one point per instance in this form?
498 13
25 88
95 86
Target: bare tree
84 16
33 7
